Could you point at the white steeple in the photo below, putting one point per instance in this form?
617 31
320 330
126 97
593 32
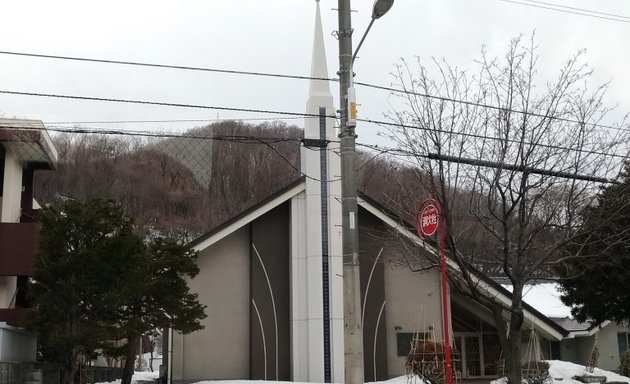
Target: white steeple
319 92
316 235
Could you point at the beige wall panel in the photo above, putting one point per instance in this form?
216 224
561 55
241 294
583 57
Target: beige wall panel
221 349
609 358
413 304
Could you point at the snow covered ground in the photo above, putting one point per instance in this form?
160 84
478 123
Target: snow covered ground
397 380
144 376
561 372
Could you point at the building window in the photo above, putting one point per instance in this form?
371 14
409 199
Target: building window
550 349
405 339
623 341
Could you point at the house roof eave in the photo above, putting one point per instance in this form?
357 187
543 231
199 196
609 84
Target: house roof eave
532 316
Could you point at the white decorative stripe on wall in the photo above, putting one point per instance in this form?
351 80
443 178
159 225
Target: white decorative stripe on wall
378 321
367 288
273 304
262 332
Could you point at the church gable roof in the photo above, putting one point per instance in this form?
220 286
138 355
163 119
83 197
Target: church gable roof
248 215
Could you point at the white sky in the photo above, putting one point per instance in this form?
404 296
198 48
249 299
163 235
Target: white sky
268 36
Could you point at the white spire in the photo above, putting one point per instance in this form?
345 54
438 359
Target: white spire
319 68
310 215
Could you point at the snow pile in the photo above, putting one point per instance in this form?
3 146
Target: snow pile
139 377
562 372
545 298
144 376
396 380
403 380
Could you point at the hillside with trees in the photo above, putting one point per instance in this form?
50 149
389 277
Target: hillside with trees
176 186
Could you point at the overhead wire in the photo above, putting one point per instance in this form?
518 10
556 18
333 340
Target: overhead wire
488 106
484 137
181 105
397 152
158 103
268 141
171 120
241 139
300 114
235 138
578 9
293 115
165 66
300 77
570 10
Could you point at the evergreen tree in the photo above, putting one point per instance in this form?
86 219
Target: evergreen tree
596 278
160 297
96 282
86 250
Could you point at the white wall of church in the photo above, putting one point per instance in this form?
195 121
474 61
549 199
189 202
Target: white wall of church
607 342
413 305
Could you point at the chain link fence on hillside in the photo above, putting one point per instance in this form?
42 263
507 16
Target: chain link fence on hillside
178 184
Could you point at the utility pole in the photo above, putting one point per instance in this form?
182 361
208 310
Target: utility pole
353 332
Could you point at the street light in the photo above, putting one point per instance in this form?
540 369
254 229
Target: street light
380 8
353 333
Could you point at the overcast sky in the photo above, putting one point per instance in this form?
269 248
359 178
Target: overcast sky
268 36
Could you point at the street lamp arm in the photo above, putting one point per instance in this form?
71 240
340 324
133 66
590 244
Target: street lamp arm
354 55
380 8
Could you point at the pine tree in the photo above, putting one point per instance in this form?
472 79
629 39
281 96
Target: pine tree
96 283
160 297
596 279
85 251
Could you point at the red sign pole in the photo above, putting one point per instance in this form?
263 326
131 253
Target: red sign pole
428 220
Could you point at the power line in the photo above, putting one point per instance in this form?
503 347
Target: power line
163 135
367 85
167 66
106 131
169 120
301 114
517 168
571 10
158 103
58 128
485 137
268 141
240 139
578 9
145 102
488 164
488 106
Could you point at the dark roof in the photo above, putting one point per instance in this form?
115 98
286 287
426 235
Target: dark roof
474 270
571 325
246 212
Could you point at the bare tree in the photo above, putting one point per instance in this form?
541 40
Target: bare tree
512 165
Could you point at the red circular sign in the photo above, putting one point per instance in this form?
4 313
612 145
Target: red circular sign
428 220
